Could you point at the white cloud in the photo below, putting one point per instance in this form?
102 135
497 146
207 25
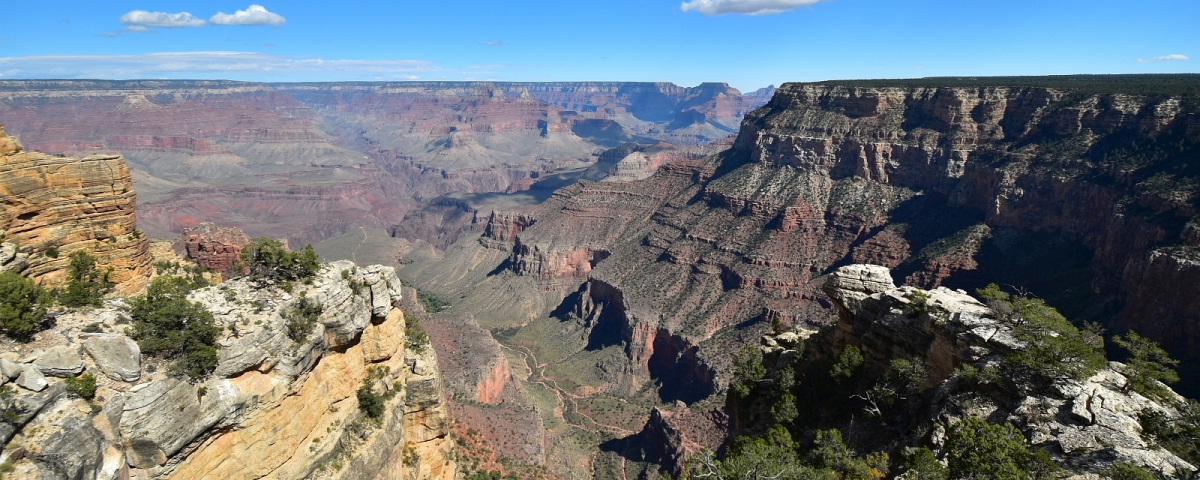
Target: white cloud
252 15
136 29
494 43
744 7
1174 57
161 19
209 65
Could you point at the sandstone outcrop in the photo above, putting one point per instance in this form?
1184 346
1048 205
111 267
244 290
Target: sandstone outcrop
274 408
212 246
53 206
1086 425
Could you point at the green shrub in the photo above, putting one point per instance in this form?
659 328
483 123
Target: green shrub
267 259
369 402
1180 436
1128 471
747 371
86 285
167 325
925 465
52 251
83 386
849 360
23 306
1148 364
976 449
302 319
432 302
771 455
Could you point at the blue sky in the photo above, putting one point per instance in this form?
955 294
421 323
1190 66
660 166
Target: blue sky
747 43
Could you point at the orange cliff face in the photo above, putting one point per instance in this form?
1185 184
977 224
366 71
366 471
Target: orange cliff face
72 204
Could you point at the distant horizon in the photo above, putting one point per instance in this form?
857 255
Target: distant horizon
748 44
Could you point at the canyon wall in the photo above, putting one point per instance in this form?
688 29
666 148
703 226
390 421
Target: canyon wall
54 206
1083 196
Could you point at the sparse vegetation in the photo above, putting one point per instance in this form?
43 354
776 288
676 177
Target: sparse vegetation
86 284
417 339
1054 348
1127 471
167 325
268 260
23 306
302 319
1181 436
83 386
1148 365
432 302
51 251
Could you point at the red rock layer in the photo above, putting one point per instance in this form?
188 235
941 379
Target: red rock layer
211 246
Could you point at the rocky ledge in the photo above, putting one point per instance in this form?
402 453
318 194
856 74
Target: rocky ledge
1085 425
274 408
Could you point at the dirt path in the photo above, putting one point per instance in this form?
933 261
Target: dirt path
538 376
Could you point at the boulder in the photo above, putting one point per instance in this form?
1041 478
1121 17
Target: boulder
31 379
10 369
62 361
118 356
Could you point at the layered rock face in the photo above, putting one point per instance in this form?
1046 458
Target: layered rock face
212 246
311 161
1086 425
274 408
1105 171
53 206
1048 188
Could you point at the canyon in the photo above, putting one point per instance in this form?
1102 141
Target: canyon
1075 189
308 162
604 248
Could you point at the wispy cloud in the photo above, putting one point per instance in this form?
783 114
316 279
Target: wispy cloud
137 29
744 7
161 19
252 15
1174 57
223 65
108 34
494 43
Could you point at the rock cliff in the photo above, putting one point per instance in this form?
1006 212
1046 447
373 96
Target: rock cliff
274 407
1085 425
53 206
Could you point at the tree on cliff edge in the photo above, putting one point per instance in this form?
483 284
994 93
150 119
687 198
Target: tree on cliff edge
267 259
22 306
86 285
